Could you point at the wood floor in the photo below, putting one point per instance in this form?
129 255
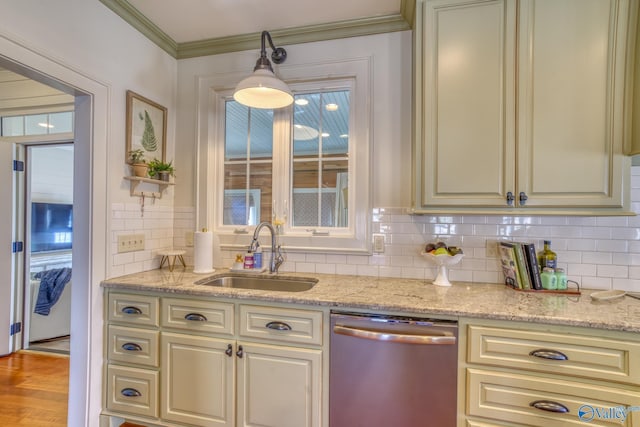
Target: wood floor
33 389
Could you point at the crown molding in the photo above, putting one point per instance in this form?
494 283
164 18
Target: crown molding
296 35
137 20
288 36
408 11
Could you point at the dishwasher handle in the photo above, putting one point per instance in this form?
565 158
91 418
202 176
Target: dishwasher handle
446 338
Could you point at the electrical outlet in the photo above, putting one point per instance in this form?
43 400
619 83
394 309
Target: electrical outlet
492 249
378 243
130 243
188 238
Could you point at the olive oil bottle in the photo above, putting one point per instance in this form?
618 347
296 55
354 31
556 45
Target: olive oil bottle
546 257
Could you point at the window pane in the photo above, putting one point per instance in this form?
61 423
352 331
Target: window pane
335 129
61 122
261 180
236 130
320 162
248 166
236 198
36 124
306 125
261 133
13 126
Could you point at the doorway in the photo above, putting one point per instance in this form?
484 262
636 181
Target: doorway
91 126
48 247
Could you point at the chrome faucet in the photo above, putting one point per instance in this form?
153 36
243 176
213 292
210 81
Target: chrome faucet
276 254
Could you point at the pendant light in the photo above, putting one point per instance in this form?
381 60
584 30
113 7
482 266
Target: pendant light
263 89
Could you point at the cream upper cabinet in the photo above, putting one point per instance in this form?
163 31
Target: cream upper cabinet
520 105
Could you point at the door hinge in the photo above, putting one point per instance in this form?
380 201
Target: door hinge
15 328
17 247
18 166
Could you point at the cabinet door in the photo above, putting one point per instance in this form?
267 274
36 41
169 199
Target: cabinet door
279 386
572 67
465 110
197 380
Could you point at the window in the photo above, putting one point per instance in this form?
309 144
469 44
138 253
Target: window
37 124
304 168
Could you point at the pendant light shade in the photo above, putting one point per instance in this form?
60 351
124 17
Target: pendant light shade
263 89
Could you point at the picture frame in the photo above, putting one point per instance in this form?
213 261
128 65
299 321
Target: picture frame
146 127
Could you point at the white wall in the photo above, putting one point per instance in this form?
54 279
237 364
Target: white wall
95 49
88 37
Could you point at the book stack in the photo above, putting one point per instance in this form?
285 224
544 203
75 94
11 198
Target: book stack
520 265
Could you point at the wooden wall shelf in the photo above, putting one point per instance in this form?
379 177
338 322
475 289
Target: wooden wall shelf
134 181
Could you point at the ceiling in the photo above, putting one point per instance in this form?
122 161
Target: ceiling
206 27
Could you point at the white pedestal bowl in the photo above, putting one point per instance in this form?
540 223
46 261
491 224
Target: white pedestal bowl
443 262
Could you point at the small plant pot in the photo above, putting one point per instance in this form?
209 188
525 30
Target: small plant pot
140 169
163 176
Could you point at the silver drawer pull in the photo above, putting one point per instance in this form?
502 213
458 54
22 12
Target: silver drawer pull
130 392
131 346
278 326
550 406
131 310
195 317
549 354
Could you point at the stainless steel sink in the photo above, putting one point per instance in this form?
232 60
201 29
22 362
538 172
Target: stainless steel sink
282 284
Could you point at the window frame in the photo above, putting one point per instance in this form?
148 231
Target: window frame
354 75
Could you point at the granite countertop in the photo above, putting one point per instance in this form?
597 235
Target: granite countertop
475 300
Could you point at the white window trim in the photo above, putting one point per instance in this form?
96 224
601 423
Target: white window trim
212 91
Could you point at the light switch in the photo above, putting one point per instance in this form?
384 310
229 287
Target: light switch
378 243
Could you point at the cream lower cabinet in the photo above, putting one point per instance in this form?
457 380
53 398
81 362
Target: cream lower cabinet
212 363
520 105
278 386
533 375
198 383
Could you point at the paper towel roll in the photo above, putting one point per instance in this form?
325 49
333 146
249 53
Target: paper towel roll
203 252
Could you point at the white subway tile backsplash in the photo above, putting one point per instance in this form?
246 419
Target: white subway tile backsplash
612 245
597 257
581 245
594 282
597 252
326 268
581 270
614 271
346 269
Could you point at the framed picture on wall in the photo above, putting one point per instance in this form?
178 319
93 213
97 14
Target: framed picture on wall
146 127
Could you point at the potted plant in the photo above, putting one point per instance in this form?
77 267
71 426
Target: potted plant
138 164
160 170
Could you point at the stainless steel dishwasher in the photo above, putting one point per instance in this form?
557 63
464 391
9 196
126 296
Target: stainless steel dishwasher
390 371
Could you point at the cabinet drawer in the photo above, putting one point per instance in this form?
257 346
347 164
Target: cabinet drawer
133 309
132 390
588 357
510 397
130 345
203 316
280 324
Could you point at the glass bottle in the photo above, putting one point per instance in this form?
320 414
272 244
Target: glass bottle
546 257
